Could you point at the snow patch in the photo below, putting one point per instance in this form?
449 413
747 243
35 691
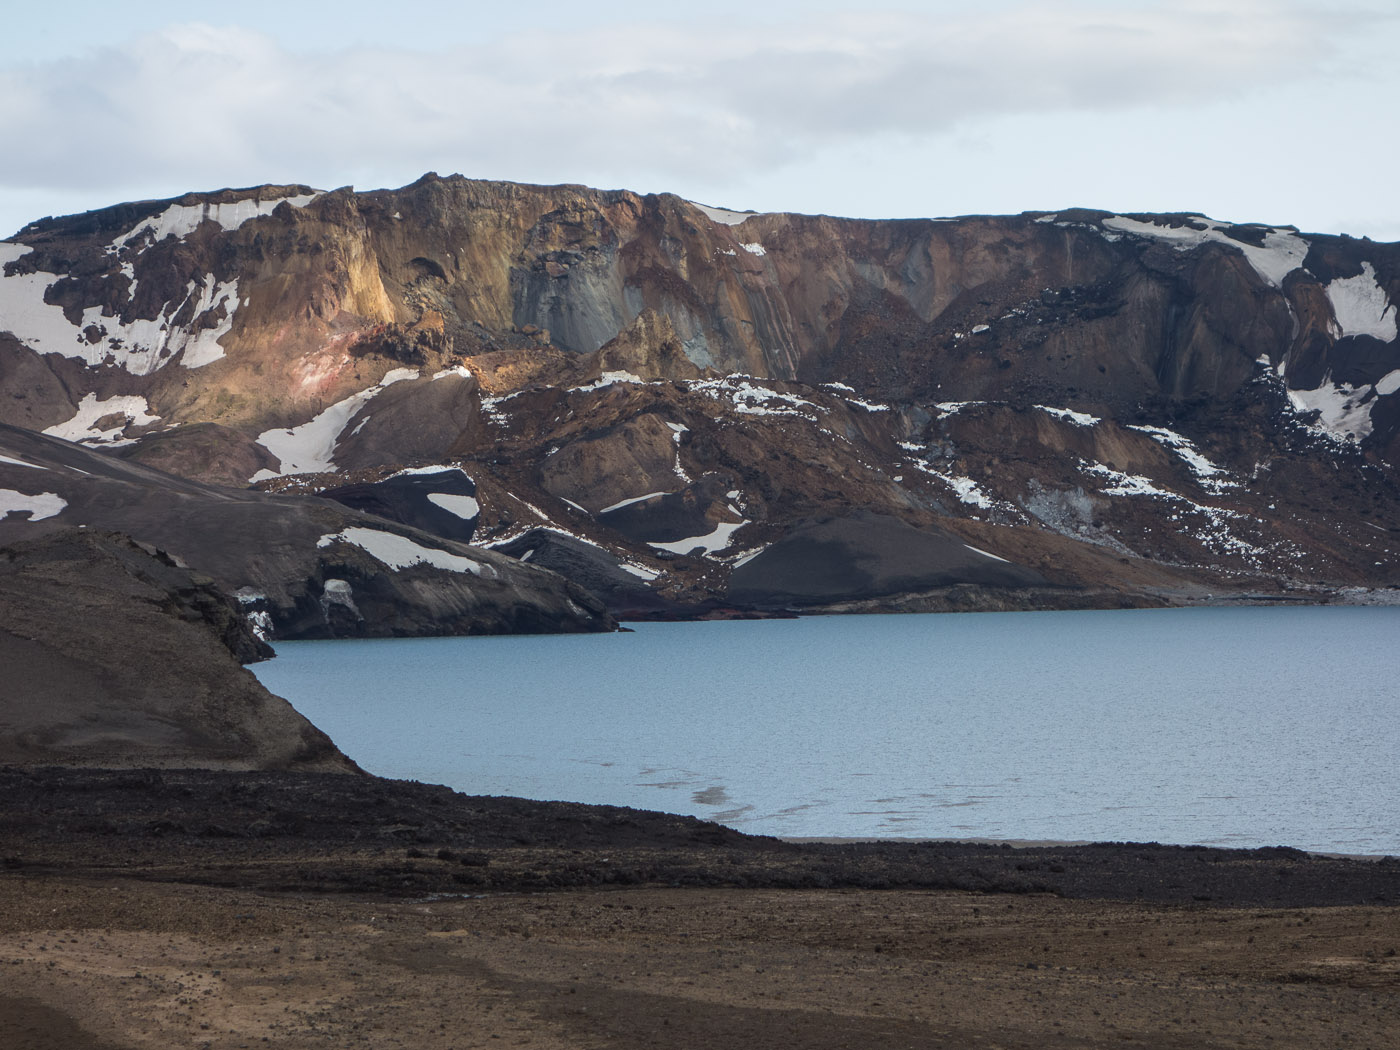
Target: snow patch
967 490
458 370
711 542
1211 477
752 400
749 555
464 507
1343 416
440 469
44 505
21 463
677 429
140 346
399 552
310 447
606 379
629 502
1214 533
1283 250
952 408
1127 484
1361 308
724 216
867 405
985 554
492 407
1079 419
179 220
754 248
260 623
83 426
1388 383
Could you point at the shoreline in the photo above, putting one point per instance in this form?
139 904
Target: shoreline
974 840
333 832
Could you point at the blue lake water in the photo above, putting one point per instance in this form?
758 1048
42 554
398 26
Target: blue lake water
1232 727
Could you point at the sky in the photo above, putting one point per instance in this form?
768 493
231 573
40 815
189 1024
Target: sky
1275 111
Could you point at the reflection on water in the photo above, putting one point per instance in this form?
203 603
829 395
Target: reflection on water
1217 726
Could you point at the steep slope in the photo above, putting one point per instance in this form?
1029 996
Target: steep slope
1129 409
302 567
115 656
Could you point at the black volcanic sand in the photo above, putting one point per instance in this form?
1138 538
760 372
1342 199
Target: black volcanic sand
360 834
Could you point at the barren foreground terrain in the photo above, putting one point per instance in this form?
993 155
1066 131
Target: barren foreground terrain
122 964
142 910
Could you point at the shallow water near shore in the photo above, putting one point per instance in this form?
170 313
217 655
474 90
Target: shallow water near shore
1227 727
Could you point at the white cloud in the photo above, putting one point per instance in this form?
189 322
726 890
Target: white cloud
645 105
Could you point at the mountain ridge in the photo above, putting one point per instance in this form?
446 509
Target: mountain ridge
1133 408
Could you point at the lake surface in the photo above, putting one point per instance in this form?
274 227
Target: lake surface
1230 727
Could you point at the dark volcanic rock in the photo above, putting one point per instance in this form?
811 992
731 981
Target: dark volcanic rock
308 562
623 590
866 556
115 656
206 452
437 500
305 832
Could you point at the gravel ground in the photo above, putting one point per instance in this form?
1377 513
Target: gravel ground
155 909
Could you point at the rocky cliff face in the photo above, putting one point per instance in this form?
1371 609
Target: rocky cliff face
739 410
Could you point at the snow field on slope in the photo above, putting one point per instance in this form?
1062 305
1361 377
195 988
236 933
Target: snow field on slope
723 215
1215 534
1360 305
1079 419
399 552
310 447
1343 416
752 400
629 502
1283 251
83 426
180 220
40 506
1210 476
465 507
711 543
140 346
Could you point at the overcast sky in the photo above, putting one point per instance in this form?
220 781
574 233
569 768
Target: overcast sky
1277 111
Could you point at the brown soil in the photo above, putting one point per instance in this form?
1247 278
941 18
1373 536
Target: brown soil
206 910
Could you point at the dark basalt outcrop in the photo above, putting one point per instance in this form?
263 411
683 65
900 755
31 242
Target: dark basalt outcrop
1137 409
866 556
442 502
115 656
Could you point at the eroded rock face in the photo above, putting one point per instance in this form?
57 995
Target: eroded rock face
115 656
1146 407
